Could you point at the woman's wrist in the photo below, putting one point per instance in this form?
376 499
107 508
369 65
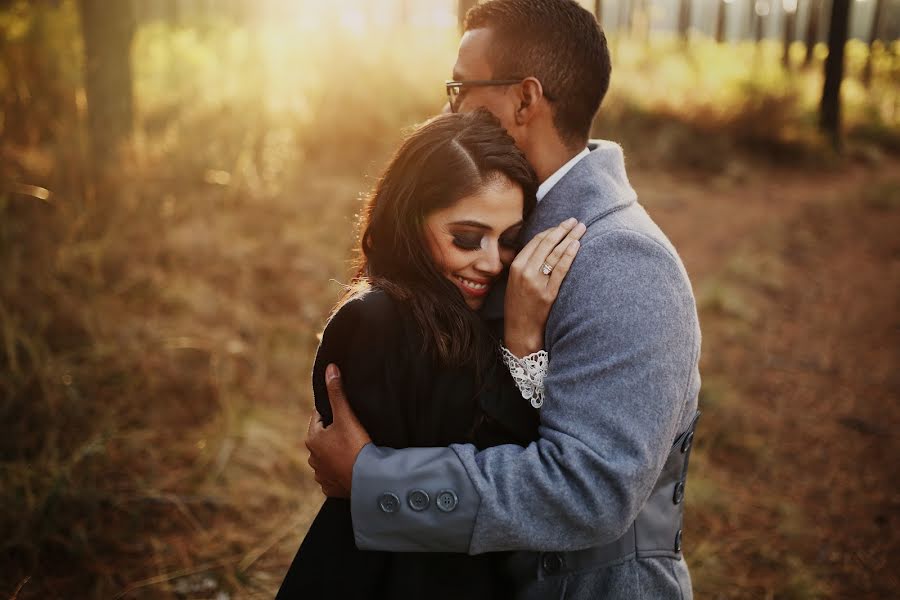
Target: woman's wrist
524 346
522 335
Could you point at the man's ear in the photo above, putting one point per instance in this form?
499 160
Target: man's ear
530 94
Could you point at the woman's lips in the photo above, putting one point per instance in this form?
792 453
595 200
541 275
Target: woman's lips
476 289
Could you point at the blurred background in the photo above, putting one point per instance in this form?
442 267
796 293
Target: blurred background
179 181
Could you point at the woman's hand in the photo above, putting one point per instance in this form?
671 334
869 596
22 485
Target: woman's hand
534 280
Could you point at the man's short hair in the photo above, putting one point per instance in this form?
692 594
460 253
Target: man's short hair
558 42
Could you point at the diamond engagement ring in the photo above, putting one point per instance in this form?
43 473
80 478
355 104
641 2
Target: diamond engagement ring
546 269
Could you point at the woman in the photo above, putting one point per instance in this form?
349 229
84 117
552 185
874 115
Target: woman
421 366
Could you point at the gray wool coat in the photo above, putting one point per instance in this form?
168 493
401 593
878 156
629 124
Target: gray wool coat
624 344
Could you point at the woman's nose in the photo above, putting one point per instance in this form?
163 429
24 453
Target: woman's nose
489 261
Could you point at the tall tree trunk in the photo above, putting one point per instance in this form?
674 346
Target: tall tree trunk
626 10
174 14
462 8
684 19
751 19
790 26
812 30
642 22
830 116
624 16
634 10
873 37
108 28
405 13
721 16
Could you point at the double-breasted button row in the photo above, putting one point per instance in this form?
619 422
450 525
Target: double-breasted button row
418 500
678 496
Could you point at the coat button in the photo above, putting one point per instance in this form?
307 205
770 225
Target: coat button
552 563
678 541
418 500
679 492
389 502
447 500
686 445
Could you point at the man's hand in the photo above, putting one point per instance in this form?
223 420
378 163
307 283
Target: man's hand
333 449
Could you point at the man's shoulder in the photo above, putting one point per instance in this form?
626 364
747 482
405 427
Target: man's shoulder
628 236
624 263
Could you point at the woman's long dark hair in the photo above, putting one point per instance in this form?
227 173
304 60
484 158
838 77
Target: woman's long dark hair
441 162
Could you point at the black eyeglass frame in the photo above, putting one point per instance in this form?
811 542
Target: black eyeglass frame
452 85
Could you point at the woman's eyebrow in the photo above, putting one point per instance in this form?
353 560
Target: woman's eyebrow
479 225
475 224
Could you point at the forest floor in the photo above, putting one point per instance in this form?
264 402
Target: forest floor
797 276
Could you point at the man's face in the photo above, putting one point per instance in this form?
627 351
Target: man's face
472 65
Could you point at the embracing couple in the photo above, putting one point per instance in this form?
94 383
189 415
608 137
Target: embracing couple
507 392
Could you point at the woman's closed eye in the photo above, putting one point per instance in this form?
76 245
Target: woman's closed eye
475 241
468 241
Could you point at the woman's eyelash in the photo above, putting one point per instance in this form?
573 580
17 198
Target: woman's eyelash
467 242
470 243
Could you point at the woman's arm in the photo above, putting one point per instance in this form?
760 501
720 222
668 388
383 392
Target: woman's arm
535 277
534 281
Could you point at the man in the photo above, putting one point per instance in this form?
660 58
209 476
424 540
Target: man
595 505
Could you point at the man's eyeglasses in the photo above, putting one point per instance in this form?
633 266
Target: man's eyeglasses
455 88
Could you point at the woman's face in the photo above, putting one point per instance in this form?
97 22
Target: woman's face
474 239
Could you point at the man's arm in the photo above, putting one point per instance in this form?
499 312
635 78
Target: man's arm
623 341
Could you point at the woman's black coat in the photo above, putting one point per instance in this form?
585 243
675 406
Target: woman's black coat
404 398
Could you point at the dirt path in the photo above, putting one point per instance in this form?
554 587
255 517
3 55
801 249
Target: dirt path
798 278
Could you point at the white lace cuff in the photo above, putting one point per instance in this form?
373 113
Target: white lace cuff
528 372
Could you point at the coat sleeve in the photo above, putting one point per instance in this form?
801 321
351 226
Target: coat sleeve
624 343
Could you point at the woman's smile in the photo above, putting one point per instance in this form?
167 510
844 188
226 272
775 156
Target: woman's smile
471 287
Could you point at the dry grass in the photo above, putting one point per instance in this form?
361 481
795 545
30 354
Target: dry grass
157 330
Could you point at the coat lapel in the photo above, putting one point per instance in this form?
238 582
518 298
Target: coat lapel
595 187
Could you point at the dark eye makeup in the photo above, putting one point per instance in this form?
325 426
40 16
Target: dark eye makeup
472 241
467 241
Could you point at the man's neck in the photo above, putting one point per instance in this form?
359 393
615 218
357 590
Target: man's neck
549 156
